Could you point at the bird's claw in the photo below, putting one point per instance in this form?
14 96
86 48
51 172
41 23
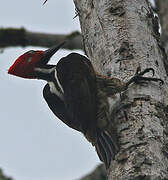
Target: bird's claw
138 71
138 78
161 81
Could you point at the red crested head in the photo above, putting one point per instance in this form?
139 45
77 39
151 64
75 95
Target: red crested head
25 65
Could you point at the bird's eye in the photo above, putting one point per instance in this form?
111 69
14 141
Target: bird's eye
30 55
29 59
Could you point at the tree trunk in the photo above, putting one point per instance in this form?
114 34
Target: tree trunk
119 36
99 173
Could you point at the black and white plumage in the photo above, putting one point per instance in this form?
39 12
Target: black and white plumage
70 92
76 103
76 94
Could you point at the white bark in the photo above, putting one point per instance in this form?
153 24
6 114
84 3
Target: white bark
119 36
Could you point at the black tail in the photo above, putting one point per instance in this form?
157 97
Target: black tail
106 147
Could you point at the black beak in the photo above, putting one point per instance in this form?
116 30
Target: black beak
50 52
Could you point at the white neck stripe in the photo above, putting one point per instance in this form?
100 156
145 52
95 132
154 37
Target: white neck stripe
56 78
46 71
54 90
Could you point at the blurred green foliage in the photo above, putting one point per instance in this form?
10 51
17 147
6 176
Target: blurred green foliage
4 177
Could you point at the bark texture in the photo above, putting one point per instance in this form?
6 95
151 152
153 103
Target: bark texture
119 36
22 37
98 174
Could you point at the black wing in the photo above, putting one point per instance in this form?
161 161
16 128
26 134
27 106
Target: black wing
80 105
79 83
57 106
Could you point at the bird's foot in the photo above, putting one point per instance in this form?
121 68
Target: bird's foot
138 77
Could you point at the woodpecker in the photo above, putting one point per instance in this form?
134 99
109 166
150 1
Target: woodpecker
76 94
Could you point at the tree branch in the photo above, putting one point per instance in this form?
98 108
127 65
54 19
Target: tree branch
22 37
